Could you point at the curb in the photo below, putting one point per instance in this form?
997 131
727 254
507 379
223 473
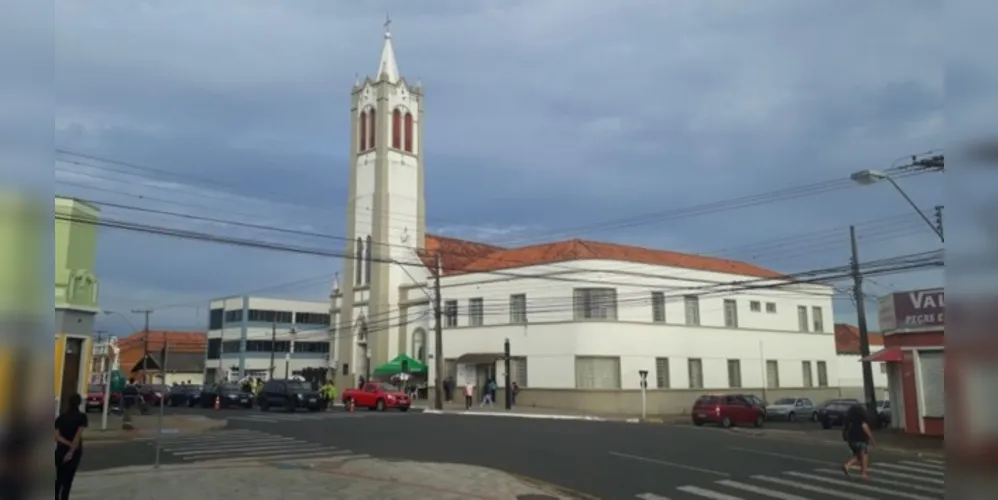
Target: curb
139 435
518 415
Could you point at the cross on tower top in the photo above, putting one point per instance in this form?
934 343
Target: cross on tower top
387 25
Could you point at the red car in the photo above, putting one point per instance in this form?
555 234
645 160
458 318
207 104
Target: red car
95 398
728 410
377 396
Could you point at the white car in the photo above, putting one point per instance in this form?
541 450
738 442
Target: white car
791 409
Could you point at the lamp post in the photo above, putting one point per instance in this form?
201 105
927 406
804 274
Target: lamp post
867 177
287 357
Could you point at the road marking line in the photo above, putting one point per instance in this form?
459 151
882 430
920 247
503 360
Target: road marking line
760 490
816 489
703 492
331 454
937 462
781 455
852 484
216 445
907 468
892 482
669 464
910 476
207 436
249 449
650 496
923 465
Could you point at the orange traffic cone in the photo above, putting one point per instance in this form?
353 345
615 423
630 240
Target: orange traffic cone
218 403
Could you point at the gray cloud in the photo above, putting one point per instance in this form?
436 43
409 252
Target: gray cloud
541 115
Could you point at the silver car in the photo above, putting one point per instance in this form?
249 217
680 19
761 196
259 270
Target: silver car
791 409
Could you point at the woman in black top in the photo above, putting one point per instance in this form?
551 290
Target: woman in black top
858 435
68 446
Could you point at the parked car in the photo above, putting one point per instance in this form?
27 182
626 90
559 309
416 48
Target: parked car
289 395
229 395
728 410
791 409
154 393
95 398
183 395
884 412
378 396
833 412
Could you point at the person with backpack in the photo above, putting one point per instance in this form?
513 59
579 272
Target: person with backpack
857 434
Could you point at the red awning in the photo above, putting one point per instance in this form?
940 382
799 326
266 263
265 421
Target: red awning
888 355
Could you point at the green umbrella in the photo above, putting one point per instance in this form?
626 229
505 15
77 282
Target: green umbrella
395 366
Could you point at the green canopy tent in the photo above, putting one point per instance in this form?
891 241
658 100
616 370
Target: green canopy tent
394 366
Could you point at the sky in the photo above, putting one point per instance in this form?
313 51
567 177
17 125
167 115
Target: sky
544 119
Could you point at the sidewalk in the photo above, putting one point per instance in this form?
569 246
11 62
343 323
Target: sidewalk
145 426
544 413
359 479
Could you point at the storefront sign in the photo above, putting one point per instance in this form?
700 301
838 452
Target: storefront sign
914 310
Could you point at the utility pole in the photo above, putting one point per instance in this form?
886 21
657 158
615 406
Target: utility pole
438 361
864 334
939 221
273 348
145 341
509 379
287 357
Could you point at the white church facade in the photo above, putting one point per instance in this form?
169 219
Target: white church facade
582 317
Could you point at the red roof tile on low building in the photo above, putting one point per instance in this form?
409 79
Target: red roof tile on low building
178 341
847 339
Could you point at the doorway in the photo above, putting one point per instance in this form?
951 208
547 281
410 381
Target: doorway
71 363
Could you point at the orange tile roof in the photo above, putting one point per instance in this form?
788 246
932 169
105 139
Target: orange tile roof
177 341
847 339
461 256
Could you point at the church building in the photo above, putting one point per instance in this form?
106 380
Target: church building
584 319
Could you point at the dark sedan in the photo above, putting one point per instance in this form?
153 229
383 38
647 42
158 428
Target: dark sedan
833 412
228 396
184 395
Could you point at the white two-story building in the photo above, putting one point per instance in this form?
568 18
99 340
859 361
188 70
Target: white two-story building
582 317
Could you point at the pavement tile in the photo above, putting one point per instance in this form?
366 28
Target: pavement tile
362 479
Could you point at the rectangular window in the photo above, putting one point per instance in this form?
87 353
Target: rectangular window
230 347
806 372
518 371
595 303
692 303
771 307
802 324
593 372
234 316
695 367
658 307
755 306
450 369
734 373
265 316
818 319
307 318
518 308
450 313
822 374
214 348
216 319
662 373
730 313
476 312
772 374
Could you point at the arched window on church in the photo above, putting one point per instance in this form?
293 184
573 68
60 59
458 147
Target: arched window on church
367 260
372 128
363 131
359 261
397 129
408 132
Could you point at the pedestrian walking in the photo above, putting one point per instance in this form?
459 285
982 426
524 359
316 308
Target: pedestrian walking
69 428
490 393
513 393
857 434
469 395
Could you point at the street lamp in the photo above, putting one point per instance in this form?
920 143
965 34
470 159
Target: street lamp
287 357
867 177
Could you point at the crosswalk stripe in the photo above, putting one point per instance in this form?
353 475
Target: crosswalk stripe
650 496
703 492
911 477
227 434
249 449
908 468
331 455
933 461
816 489
758 490
924 465
856 485
215 445
892 482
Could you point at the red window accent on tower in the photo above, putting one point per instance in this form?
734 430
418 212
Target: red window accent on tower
397 129
363 131
372 129
408 132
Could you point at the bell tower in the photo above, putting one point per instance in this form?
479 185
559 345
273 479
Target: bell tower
386 214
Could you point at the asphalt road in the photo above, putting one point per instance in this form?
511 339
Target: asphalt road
602 459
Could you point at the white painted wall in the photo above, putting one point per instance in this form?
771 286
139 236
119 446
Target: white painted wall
851 372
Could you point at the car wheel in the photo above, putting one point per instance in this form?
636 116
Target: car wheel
760 421
404 409
698 423
380 405
726 422
814 416
826 424
792 417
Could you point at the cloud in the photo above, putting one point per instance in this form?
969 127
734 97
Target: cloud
541 115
